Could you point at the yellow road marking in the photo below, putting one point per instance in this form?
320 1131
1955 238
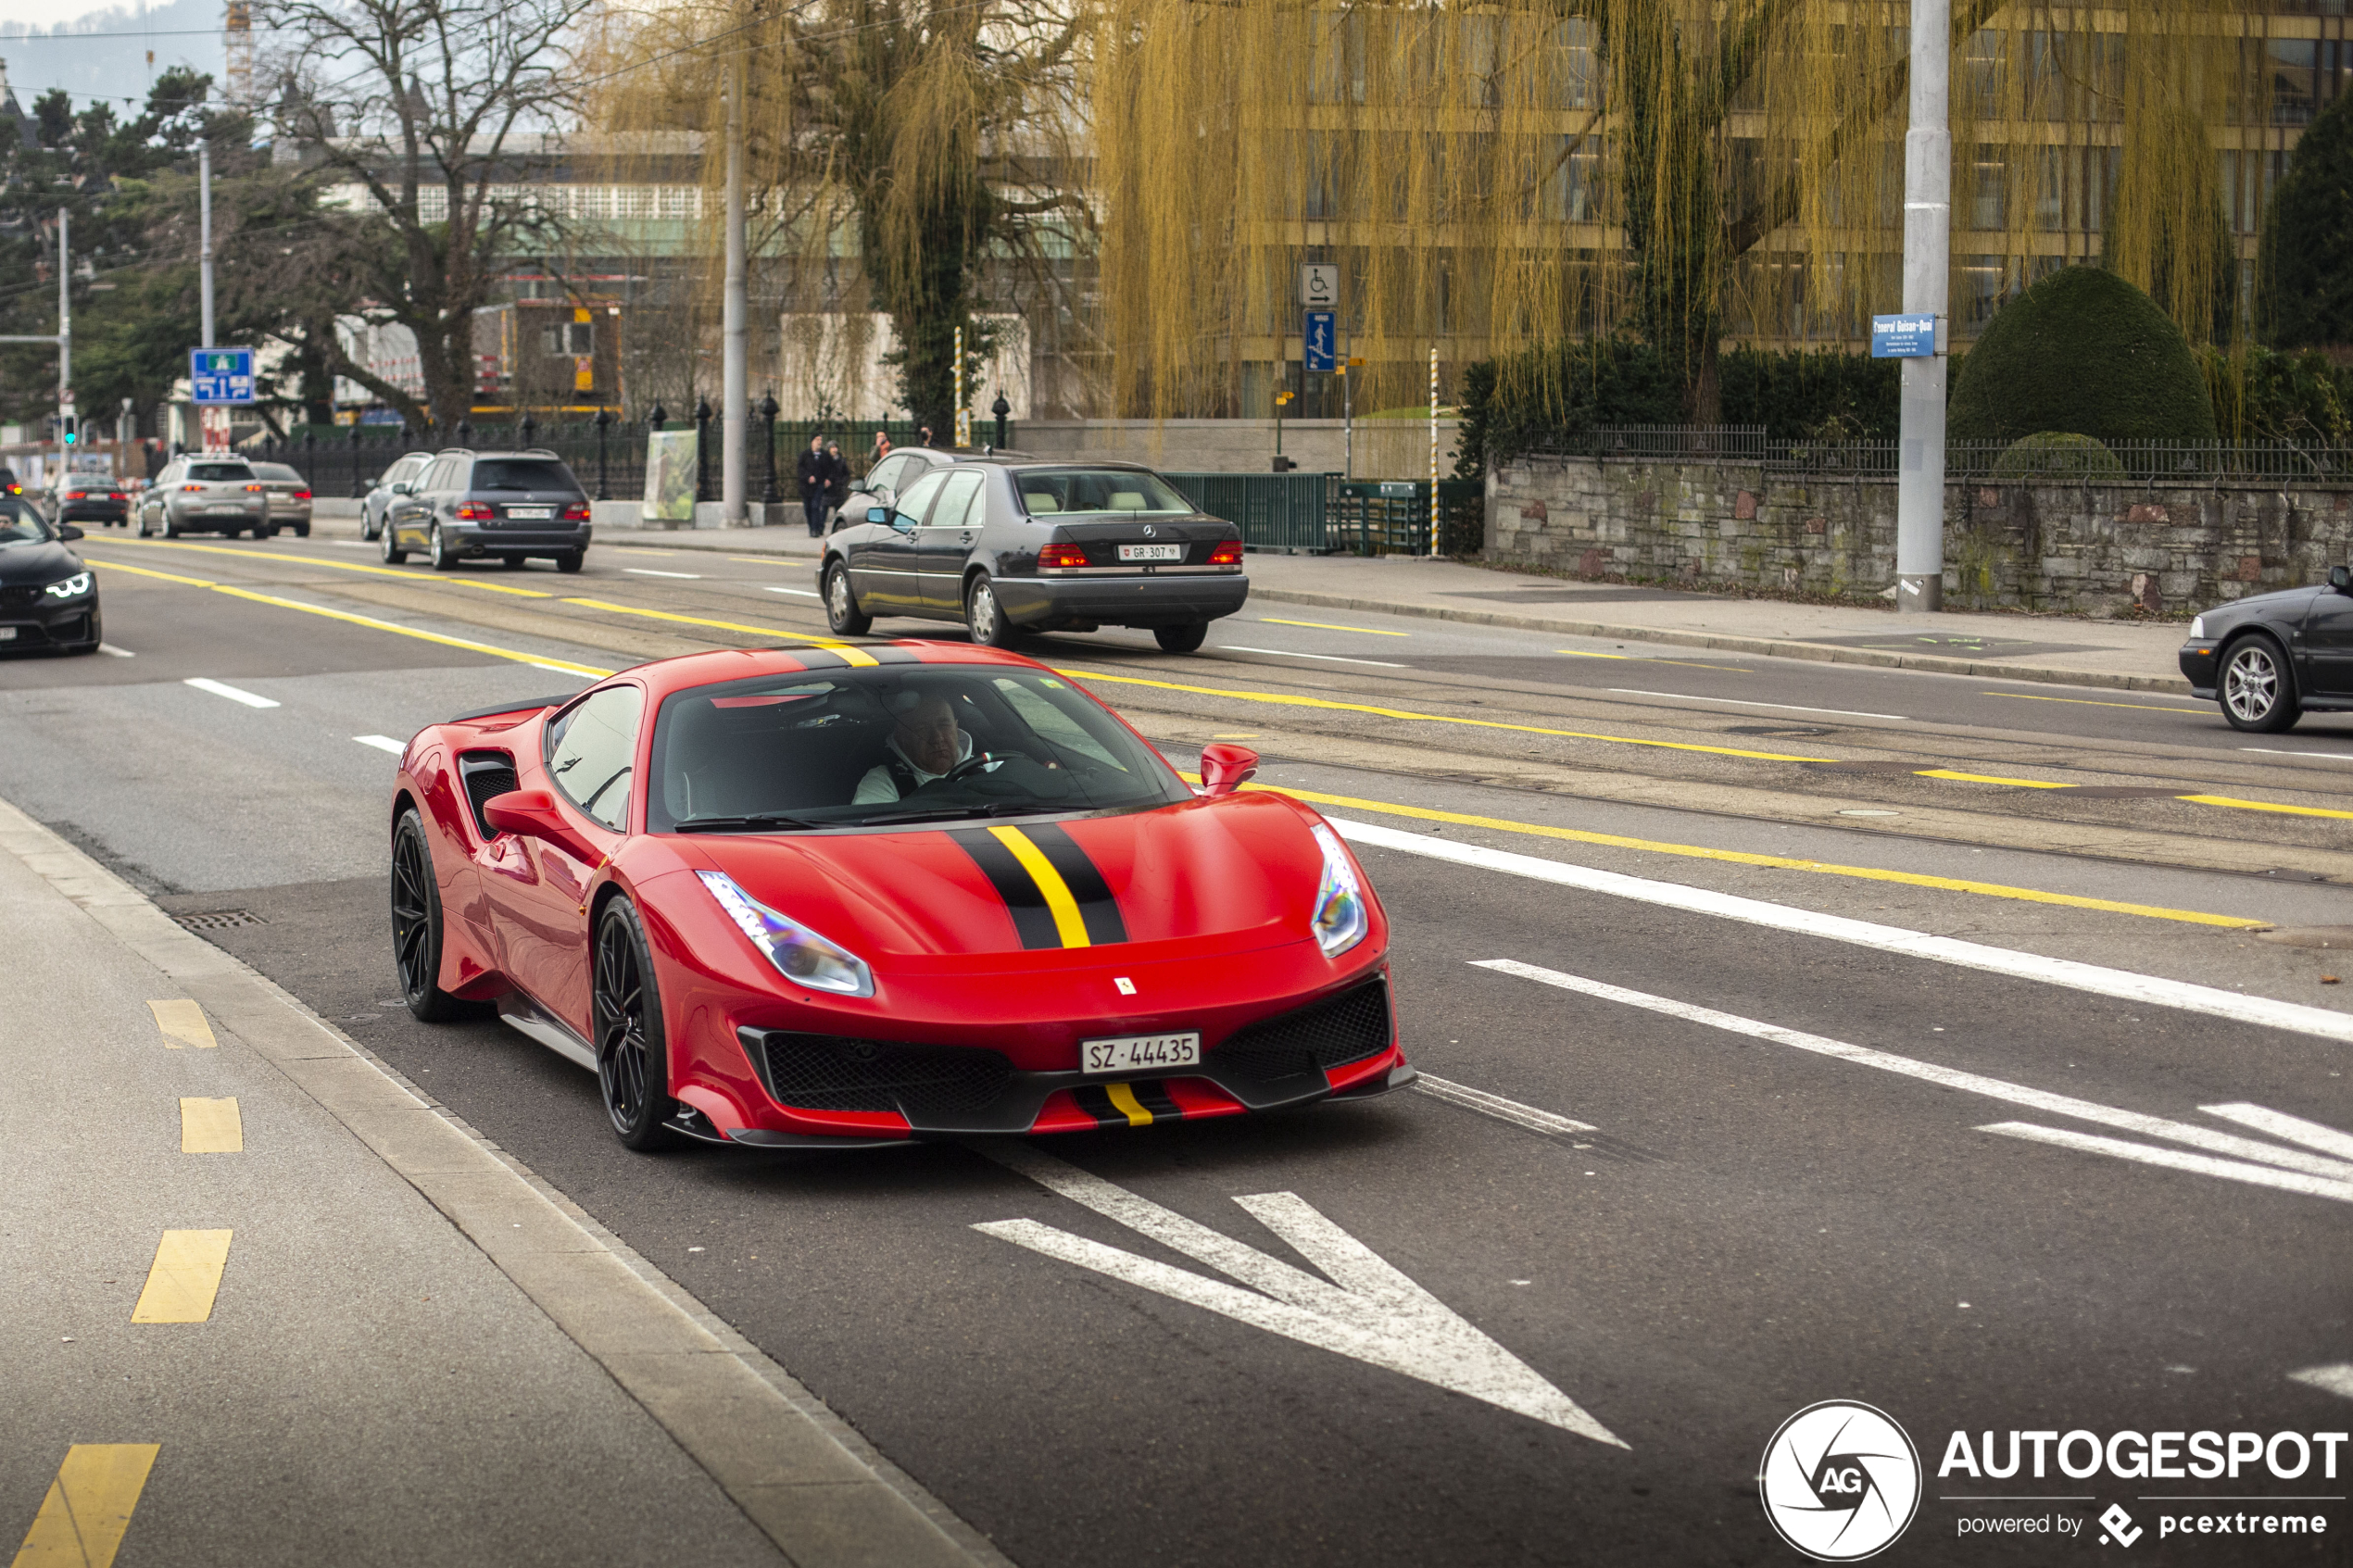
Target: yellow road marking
849 651
1636 658
1780 862
2087 702
183 1024
367 620
1285 700
1069 923
212 1126
1986 778
2265 806
1124 1100
337 565
1327 626
756 560
185 1277
82 1520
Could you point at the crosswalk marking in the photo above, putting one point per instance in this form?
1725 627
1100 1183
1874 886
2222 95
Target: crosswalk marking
88 1507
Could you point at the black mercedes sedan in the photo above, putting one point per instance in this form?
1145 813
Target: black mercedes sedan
2272 659
1009 546
48 595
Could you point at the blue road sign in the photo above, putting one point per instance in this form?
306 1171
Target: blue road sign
1323 340
222 375
1903 337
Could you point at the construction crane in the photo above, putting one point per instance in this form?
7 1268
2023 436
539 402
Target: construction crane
236 39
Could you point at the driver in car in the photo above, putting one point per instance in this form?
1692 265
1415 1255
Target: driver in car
925 744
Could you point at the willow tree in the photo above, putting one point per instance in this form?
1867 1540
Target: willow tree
1514 171
912 157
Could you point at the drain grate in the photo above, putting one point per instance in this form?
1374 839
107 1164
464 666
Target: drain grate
219 920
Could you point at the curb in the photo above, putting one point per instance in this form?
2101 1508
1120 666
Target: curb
1773 647
801 1476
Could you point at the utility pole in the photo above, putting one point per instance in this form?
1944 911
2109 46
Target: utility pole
735 387
1928 242
65 327
203 236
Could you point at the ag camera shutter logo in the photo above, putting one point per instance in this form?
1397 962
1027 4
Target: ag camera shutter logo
1841 1480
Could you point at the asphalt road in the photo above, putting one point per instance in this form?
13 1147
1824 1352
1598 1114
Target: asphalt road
1713 1229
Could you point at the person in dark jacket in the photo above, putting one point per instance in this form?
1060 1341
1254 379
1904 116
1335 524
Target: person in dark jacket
812 471
836 481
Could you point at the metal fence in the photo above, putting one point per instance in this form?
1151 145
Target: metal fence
2134 461
1323 514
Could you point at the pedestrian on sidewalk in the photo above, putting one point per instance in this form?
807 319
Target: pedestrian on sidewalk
836 482
812 472
881 450
927 440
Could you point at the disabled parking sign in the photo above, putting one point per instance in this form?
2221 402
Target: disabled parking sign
222 375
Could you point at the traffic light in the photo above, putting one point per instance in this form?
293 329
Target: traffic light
67 428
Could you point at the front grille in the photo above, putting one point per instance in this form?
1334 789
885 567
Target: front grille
924 1084
20 599
488 774
1298 1046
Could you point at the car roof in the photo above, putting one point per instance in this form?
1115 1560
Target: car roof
820 654
1021 459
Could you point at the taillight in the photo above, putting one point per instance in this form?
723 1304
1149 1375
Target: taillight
576 512
115 498
1229 553
77 495
474 511
1055 557
253 489
192 487
302 495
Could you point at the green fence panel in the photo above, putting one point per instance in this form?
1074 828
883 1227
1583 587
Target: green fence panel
1274 511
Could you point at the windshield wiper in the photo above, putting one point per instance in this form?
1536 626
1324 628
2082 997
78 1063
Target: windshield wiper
757 819
951 813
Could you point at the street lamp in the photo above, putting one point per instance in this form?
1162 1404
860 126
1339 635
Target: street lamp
1000 408
604 419
768 421
702 448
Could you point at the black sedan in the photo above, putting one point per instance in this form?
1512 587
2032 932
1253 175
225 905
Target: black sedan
93 498
48 595
2272 659
1009 546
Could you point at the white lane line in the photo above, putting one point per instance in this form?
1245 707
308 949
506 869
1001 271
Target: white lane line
2275 751
2174 1159
232 693
113 652
2288 1129
1503 1110
383 742
797 593
1326 658
649 572
2207 1138
559 670
1784 706
356 543
1365 1308
2149 989
2336 1379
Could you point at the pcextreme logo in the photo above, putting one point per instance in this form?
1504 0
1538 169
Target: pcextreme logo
1841 1480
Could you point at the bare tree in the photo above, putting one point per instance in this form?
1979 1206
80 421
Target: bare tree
424 106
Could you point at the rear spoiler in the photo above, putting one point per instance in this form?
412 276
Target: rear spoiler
529 705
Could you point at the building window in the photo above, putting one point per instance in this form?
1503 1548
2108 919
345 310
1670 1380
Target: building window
569 338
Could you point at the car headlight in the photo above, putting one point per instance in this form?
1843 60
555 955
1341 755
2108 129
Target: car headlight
2198 628
72 587
799 954
1339 918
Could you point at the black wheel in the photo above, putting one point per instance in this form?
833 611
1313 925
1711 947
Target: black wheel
393 554
369 530
633 1065
570 561
2258 693
841 605
145 531
437 551
302 530
1181 639
416 925
985 617
262 531
171 525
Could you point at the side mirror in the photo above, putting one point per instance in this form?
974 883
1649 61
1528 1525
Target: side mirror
877 514
1225 769
533 813
68 534
901 523
2341 579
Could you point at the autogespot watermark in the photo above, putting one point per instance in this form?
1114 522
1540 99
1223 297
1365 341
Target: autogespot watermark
1841 1480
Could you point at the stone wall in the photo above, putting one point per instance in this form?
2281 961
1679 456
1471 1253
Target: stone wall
2069 547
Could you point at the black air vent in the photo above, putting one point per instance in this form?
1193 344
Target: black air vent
1333 1033
488 774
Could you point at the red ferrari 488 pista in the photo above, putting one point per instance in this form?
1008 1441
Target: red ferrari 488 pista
841 895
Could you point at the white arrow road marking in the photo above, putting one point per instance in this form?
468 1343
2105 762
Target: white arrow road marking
1366 1310
2337 1379
2336 1175
2295 1129
649 572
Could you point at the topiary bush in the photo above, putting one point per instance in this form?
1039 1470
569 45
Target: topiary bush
2087 352
2305 276
2057 456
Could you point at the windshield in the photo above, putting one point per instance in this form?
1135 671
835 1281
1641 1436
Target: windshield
20 524
278 472
859 748
216 473
1120 491
522 473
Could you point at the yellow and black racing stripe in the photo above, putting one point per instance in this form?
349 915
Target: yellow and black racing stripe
1056 895
1139 1104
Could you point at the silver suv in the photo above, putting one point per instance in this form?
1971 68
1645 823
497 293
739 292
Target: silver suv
510 506
200 493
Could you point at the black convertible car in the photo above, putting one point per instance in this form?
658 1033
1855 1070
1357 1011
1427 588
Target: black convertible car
1008 546
2272 659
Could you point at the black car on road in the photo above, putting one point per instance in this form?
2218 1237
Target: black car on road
506 506
48 595
1008 546
2272 659
92 498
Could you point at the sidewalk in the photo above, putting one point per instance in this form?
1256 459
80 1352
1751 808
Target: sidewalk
2122 655
266 1304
